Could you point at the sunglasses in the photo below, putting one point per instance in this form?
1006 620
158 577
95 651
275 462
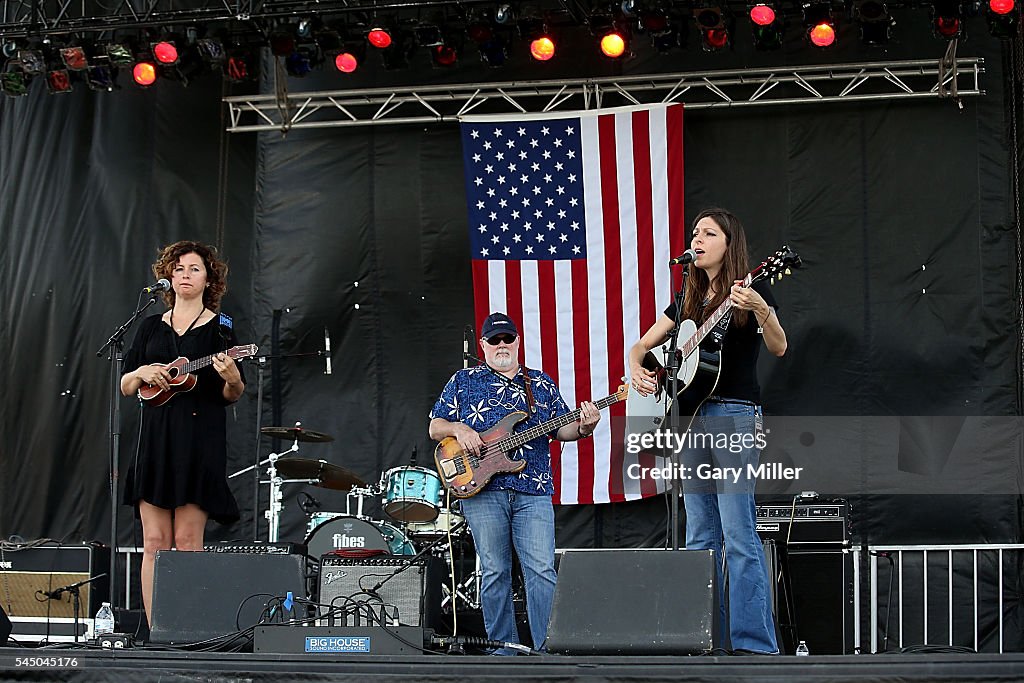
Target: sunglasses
497 339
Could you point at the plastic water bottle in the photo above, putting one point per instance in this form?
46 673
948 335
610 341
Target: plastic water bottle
802 650
104 620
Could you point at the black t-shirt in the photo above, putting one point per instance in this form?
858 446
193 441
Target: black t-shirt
739 352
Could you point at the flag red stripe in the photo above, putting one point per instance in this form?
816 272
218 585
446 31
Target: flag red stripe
581 362
481 303
679 236
549 340
644 212
613 281
514 296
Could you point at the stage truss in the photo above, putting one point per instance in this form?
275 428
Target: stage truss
950 78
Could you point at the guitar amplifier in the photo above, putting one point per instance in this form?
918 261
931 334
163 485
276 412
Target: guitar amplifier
388 590
256 547
808 525
29 571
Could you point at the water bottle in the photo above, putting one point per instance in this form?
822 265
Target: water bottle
802 650
104 620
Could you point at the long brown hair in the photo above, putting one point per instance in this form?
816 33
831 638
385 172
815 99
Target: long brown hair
216 271
735 265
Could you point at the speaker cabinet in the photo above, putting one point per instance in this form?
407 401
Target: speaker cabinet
812 598
636 602
385 588
202 595
5 627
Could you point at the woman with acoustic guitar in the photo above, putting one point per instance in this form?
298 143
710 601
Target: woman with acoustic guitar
720 515
178 479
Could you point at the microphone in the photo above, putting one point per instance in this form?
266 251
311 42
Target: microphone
161 285
52 595
327 350
412 460
688 256
467 332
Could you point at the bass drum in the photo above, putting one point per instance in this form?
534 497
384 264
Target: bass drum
351 533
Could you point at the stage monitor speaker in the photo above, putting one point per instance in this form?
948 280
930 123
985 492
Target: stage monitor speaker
5 627
202 595
384 588
822 586
636 602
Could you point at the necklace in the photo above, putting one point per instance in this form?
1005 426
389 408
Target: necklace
181 330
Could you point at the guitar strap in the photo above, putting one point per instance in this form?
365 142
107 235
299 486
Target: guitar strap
176 336
529 391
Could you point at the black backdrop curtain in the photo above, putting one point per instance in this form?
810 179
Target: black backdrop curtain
902 212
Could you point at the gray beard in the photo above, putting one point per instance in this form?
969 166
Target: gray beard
503 363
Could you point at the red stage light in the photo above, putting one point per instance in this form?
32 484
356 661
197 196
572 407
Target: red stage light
716 38
613 45
542 49
1001 6
346 63
947 27
444 55
379 37
165 52
823 34
762 15
144 73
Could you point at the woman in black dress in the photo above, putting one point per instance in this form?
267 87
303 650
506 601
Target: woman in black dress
179 478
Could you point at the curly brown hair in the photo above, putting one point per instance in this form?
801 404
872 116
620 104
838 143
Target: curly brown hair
216 270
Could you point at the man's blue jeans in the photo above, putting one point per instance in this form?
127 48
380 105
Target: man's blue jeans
499 519
721 515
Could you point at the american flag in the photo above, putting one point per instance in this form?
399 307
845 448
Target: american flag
573 219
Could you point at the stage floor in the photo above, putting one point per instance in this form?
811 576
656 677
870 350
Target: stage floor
145 665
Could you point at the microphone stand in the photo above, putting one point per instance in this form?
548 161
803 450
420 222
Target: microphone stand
672 369
76 597
115 343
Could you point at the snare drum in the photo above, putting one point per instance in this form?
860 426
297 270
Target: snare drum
412 494
446 519
351 533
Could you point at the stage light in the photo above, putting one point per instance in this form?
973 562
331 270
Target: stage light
542 49
494 52
74 58
58 81
613 45
346 62
875 21
165 53
400 51
766 26
14 83
119 54
820 24
504 14
211 50
1002 18
32 61
762 15
652 20
302 61
379 38
144 73
428 35
714 26
100 77
947 19
239 66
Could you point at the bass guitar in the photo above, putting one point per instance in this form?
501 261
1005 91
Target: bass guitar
699 368
182 378
465 474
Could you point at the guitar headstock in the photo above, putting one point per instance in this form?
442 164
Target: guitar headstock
779 264
242 351
622 393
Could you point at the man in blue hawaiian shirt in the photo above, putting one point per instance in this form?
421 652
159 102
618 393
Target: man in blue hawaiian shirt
513 509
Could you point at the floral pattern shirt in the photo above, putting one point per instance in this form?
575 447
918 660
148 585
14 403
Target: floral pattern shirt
480 397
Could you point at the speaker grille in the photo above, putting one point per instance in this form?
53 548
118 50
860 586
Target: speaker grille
389 588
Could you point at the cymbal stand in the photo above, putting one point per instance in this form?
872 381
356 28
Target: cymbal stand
467 590
273 513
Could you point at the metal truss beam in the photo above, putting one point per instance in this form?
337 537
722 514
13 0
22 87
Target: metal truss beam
28 18
855 82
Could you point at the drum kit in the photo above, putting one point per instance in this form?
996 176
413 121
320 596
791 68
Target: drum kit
412 498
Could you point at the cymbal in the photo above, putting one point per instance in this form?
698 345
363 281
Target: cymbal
296 434
328 476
